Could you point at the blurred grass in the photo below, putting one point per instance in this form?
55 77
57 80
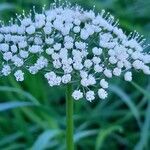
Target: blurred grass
120 122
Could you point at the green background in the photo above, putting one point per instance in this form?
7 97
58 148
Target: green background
121 122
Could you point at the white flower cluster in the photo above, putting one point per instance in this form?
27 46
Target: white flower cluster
71 45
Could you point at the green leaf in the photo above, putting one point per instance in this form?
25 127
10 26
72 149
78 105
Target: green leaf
14 147
44 139
6 6
145 131
103 134
127 100
83 134
11 138
143 91
19 91
11 105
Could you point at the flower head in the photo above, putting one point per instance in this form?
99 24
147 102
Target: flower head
70 44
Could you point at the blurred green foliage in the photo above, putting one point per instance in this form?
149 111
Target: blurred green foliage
36 121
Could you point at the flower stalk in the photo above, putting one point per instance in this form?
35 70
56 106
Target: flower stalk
69 118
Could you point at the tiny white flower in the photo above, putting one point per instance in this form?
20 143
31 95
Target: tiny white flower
50 75
68 39
108 73
83 74
26 21
38 40
30 29
14 28
21 30
55 56
128 76
76 29
77 94
127 64
57 46
84 82
117 71
23 54
19 75
4 47
96 60
1 37
91 80
84 34
146 69
6 70
88 63
120 64
33 69
102 93
77 22
90 96
137 64
98 68
58 80
68 45
104 83
22 44
112 60
66 78
41 62
47 29
77 66
7 56
35 49
14 48
18 62
80 45
49 51
49 41
97 51
57 64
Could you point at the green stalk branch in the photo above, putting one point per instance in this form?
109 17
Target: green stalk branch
69 118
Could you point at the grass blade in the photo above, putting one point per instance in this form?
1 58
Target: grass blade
126 99
6 6
44 139
12 138
103 134
83 134
19 91
14 147
11 105
145 131
143 91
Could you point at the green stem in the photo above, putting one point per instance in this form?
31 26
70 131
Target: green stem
69 118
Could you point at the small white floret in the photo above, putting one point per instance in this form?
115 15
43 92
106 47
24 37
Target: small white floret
77 94
97 51
104 83
6 70
19 75
30 29
128 76
102 93
90 96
